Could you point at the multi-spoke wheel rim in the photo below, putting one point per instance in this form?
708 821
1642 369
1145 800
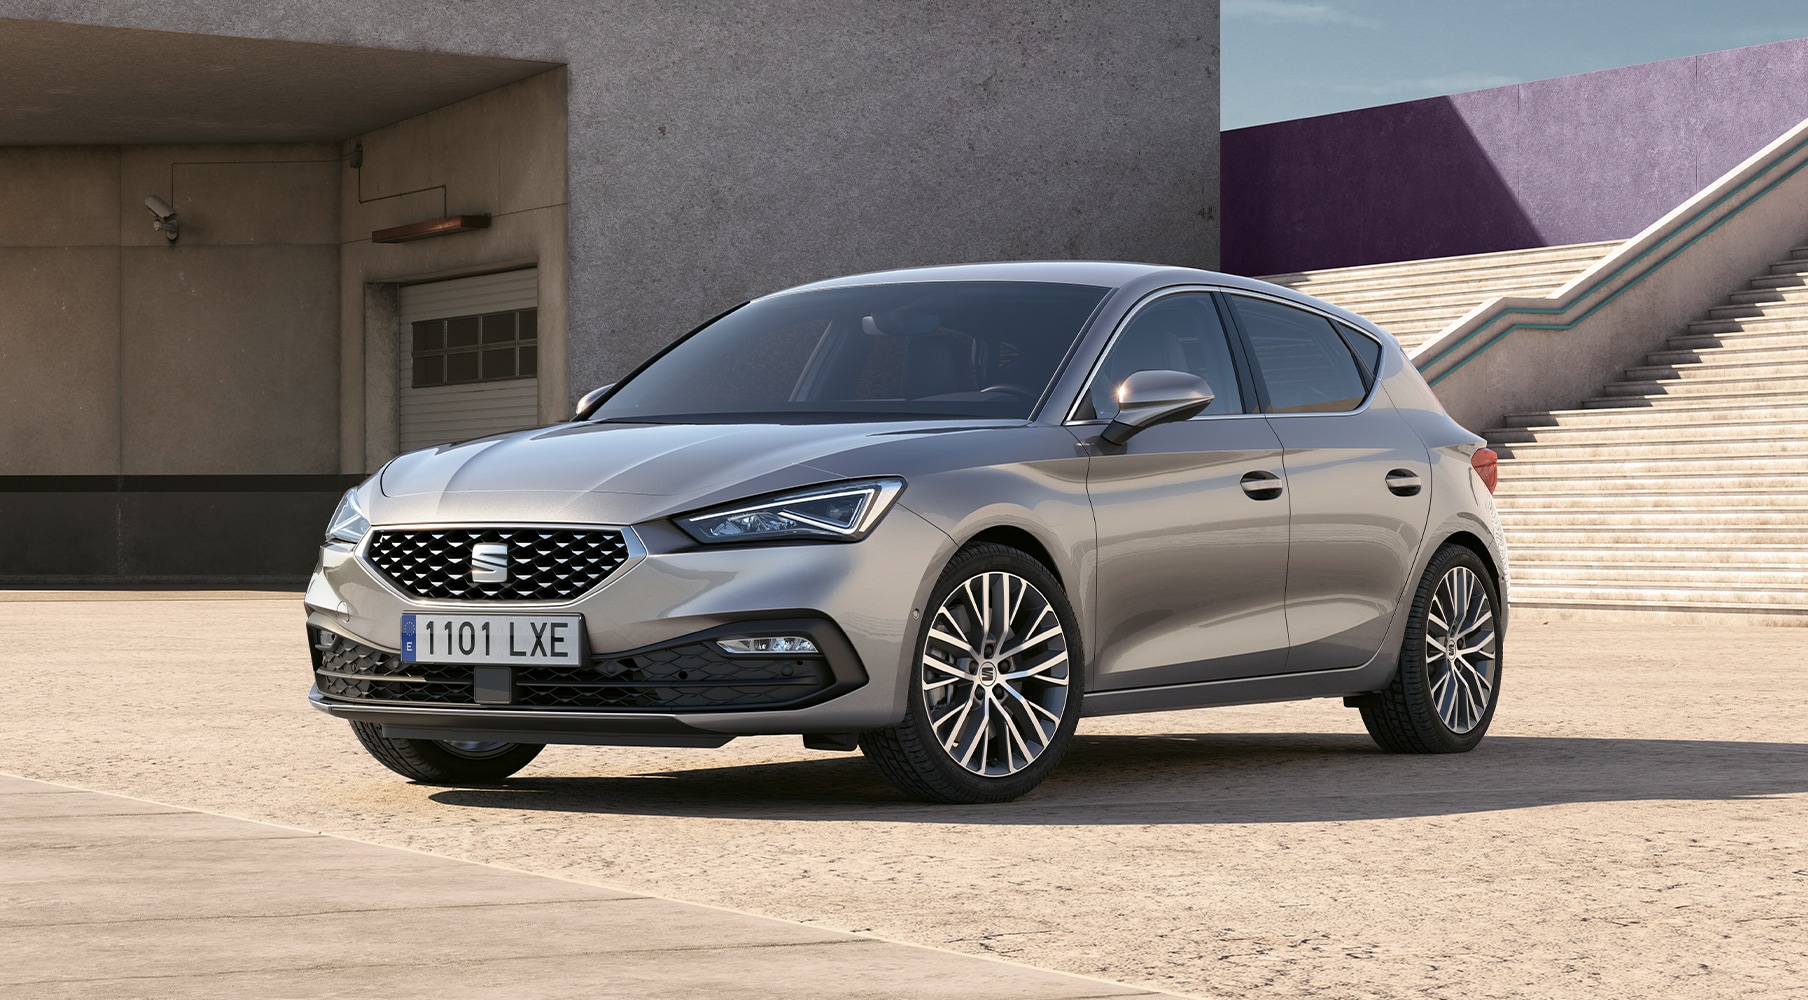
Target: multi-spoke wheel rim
995 670
1462 649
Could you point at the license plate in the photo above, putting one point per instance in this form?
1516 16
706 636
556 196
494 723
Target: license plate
526 640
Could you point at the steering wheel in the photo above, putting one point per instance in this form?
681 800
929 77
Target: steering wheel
1022 392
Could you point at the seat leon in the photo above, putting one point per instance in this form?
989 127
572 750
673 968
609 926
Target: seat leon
938 515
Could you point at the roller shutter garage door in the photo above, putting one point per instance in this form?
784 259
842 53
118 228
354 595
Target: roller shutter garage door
469 355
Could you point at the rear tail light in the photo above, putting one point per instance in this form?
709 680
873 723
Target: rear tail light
1486 465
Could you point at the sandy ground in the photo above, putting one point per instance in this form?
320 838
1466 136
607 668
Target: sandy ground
1635 825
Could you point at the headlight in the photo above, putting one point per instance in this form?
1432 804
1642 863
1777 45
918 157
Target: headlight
349 523
845 512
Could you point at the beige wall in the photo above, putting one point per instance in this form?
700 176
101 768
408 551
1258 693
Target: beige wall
501 153
123 354
264 340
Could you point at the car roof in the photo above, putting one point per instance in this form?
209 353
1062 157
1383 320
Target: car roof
1105 274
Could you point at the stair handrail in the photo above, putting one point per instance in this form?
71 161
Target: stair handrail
1677 236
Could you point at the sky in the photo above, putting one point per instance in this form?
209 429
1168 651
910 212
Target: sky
1285 59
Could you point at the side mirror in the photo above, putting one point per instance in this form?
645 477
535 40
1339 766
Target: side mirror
591 400
1147 398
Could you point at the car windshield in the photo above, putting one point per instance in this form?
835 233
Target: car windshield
885 351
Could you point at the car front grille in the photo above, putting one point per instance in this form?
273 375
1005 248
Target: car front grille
544 564
689 677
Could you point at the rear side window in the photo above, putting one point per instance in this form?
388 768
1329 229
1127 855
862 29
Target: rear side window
1367 351
1300 358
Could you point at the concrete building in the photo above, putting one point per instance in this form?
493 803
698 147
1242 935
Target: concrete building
403 222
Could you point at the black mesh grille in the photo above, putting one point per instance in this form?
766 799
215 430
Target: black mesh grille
544 564
355 672
692 676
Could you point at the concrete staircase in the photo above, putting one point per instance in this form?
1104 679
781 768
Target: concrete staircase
1681 491
1415 299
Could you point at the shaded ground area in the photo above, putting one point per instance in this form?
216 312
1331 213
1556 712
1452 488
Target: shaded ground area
1637 821
104 896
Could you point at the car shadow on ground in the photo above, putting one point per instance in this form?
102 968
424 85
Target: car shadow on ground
1201 778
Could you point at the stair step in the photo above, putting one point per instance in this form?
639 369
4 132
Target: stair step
1756 295
1762 337
1647 467
1778 281
1521 482
1698 401
1642 433
1645 416
1548 602
1731 370
1582 254
1752 311
1794 601
1606 519
1589 502
1774 447
1522 557
1696 392
1582 535
1794 265
1692 577
1730 355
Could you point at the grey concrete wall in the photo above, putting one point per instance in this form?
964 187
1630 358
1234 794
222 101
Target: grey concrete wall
123 354
717 152
500 154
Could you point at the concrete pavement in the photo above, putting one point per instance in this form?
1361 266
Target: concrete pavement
1636 823
105 896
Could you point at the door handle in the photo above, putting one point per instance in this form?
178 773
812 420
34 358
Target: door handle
1403 483
1262 485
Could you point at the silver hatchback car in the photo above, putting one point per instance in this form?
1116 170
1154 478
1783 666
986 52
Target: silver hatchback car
938 515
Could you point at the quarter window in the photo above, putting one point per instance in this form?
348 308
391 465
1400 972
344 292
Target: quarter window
486 348
1179 332
1299 356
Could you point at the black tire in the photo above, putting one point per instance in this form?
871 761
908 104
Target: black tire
1424 709
913 757
437 762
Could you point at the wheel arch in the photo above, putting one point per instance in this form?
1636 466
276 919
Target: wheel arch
1473 542
1021 539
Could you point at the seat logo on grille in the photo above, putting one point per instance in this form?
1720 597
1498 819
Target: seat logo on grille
489 562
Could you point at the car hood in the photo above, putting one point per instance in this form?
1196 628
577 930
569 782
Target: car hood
619 473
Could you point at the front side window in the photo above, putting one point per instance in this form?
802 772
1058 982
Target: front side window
883 351
1300 358
1179 332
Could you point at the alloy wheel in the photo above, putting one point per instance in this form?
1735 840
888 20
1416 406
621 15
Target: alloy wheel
1461 649
995 674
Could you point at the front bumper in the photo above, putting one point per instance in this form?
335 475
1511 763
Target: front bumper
652 676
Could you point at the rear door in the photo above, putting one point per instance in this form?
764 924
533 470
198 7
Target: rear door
1359 477
1191 515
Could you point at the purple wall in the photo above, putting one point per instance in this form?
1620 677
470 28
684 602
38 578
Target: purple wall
1597 156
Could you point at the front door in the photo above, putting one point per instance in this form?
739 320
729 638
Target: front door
1192 515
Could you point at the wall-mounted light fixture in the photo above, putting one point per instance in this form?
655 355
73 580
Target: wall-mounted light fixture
163 217
432 227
